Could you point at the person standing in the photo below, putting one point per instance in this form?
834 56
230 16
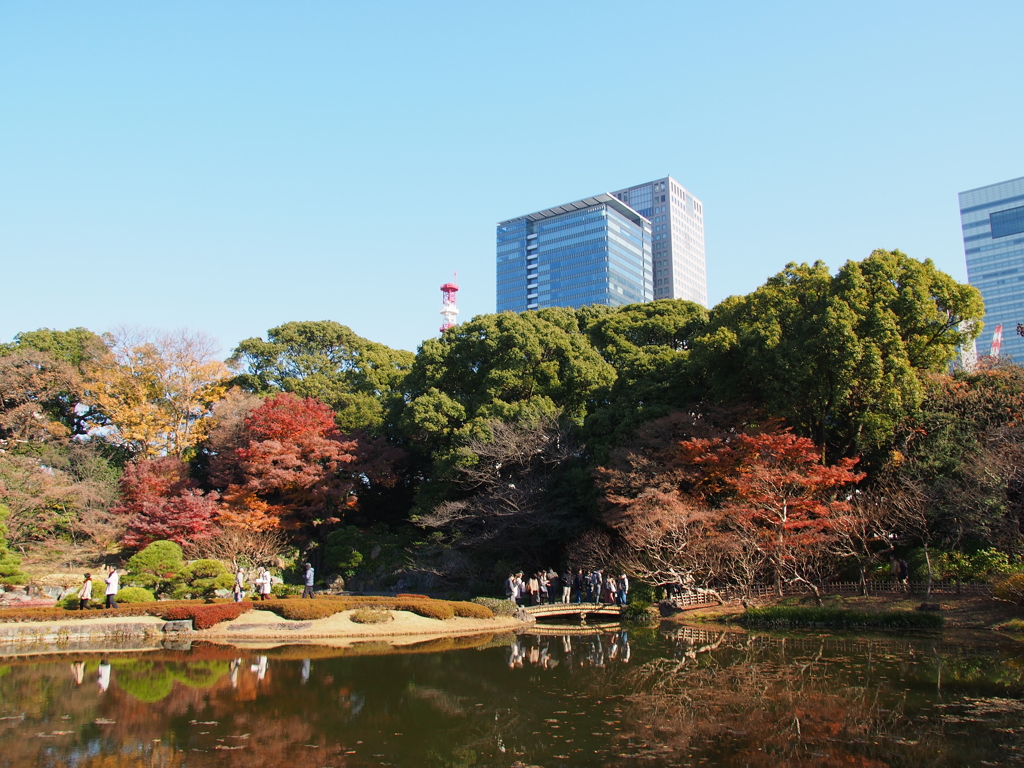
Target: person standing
566 585
623 589
85 593
239 589
113 585
510 588
578 584
263 583
533 589
308 591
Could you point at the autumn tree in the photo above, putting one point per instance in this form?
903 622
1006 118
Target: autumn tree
156 392
42 373
359 379
160 502
731 505
297 470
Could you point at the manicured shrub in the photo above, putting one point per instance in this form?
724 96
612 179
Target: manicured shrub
372 615
303 610
285 590
132 595
430 609
206 615
472 610
158 568
505 608
410 596
1011 588
202 578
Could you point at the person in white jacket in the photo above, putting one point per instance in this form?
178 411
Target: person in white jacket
113 585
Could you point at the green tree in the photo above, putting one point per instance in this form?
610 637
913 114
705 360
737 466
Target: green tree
325 360
649 347
505 367
839 357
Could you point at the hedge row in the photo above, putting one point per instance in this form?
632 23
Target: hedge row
325 606
837 618
203 615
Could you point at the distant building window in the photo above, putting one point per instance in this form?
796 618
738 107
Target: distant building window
1005 223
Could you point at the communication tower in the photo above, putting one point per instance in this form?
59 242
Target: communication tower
997 341
449 311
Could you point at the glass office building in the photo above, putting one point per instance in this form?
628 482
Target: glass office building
992 219
677 220
592 251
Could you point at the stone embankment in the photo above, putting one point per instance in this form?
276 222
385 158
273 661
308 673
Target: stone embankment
60 634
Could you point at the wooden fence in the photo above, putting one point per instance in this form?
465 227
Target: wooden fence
917 588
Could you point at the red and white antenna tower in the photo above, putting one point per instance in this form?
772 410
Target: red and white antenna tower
448 309
997 341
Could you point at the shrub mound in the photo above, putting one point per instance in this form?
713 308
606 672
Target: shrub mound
328 605
638 612
372 615
497 607
134 595
205 615
836 618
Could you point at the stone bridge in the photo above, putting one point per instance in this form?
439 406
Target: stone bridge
583 610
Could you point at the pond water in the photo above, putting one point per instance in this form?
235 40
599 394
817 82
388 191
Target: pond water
670 696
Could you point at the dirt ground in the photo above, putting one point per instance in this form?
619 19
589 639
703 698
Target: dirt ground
964 612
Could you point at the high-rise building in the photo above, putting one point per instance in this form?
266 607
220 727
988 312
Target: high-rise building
992 219
592 251
677 220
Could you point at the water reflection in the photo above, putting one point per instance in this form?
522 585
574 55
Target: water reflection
680 696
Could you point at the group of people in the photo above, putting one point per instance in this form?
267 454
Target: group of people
547 586
262 584
113 586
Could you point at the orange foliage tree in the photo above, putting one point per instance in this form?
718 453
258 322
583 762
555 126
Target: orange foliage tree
730 509
295 469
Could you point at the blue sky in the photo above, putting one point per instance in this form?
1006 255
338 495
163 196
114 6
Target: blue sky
233 166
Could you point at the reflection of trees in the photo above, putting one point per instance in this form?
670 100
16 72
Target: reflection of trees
150 681
729 698
761 701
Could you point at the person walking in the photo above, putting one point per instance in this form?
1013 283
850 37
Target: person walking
113 585
308 591
85 593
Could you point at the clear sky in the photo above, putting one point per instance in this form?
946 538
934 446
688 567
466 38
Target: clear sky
232 166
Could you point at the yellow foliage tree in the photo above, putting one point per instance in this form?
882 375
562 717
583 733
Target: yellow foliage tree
157 392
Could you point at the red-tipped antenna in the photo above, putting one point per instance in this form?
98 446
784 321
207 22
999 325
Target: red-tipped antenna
448 309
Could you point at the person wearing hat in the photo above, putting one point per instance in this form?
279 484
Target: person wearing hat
308 591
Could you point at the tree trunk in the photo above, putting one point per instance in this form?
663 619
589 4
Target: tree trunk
928 562
863 580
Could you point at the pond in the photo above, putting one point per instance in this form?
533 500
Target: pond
669 696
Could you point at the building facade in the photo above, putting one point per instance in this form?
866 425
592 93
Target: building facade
677 221
593 251
992 219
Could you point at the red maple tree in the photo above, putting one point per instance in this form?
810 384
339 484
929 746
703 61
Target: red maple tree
161 502
298 469
774 486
